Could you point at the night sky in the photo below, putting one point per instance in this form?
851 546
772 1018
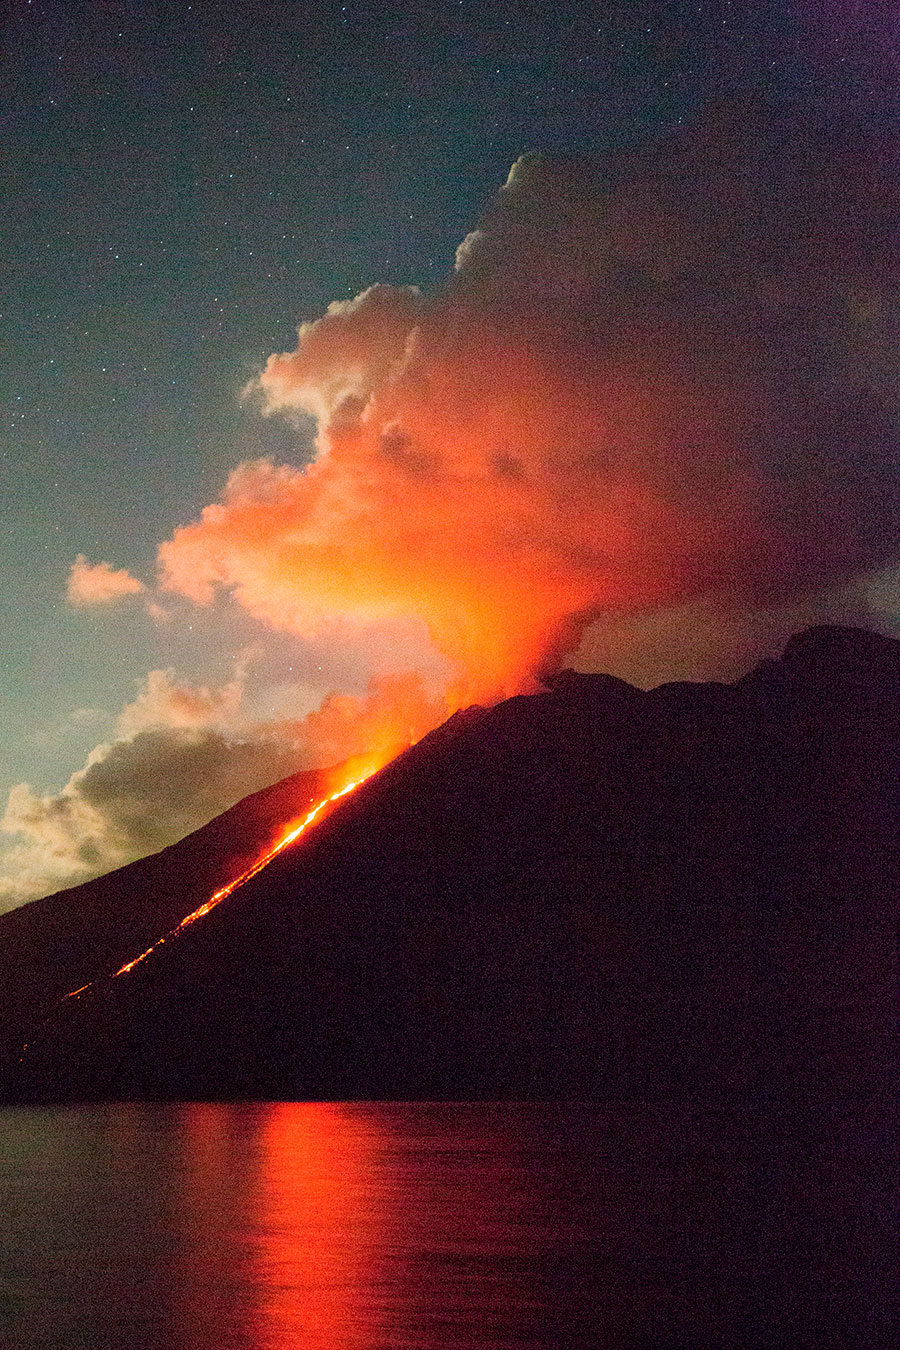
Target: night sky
185 184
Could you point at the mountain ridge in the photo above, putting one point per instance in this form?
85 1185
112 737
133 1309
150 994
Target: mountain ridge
55 944
591 891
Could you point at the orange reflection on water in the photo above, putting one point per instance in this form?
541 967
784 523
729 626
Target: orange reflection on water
363 1226
279 1228
319 1233
212 1290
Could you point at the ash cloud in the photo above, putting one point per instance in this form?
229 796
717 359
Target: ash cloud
651 378
652 417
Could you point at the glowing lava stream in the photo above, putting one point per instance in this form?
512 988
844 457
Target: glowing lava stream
225 891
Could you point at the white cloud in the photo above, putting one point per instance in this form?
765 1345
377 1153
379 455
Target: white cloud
183 754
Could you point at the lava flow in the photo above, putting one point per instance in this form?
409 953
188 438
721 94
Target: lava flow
293 832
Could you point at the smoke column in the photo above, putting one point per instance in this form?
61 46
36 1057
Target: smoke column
649 378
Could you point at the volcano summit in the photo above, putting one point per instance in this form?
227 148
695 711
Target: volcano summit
588 892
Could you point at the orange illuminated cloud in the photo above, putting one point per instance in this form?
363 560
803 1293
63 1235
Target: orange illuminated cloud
480 490
648 379
99 583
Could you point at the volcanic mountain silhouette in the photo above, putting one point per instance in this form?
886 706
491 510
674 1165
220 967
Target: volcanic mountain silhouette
80 934
588 892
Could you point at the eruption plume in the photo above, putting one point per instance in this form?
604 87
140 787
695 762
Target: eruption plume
660 390
650 377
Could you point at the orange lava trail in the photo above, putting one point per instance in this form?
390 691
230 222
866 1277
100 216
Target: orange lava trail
225 891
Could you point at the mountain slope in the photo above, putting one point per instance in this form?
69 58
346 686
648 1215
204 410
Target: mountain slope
80 934
590 891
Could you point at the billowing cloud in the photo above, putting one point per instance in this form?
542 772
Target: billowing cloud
164 703
183 754
652 378
655 406
99 583
131 798
397 711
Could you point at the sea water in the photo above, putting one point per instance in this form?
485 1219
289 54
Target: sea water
260 1226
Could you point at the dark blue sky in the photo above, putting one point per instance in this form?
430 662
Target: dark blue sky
184 183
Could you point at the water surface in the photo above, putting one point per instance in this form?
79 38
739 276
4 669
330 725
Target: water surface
362 1226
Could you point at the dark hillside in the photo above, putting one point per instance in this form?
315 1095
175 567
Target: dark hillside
61 942
588 892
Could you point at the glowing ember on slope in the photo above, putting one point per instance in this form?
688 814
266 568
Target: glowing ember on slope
293 832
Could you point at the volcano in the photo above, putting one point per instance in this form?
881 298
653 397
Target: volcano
53 945
588 892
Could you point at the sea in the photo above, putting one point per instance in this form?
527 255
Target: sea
423 1226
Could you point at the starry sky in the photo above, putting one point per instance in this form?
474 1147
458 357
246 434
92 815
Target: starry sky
183 185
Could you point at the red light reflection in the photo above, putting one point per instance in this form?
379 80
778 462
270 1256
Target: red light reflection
319 1234
360 1226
